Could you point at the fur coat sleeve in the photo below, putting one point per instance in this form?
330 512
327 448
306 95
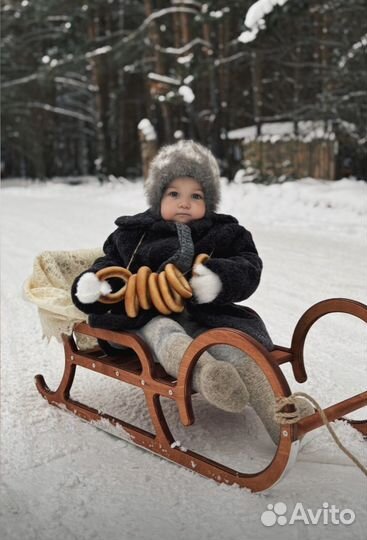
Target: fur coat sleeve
111 258
240 271
112 317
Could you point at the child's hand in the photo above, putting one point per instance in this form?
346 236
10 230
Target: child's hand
205 284
89 288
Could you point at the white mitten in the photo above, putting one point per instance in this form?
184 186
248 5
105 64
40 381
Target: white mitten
89 288
205 284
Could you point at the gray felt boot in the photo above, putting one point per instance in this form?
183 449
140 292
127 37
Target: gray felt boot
261 394
262 398
218 382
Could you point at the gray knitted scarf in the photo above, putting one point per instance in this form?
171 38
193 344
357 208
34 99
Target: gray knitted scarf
183 257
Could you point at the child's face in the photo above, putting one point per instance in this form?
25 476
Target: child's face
183 201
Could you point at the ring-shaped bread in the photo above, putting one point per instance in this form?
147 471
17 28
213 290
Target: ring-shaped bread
199 259
142 289
131 299
169 298
113 272
156 296
178 281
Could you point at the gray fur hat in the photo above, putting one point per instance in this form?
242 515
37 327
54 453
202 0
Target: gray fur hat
185 158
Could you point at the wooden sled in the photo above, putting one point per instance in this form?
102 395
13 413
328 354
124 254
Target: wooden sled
136 366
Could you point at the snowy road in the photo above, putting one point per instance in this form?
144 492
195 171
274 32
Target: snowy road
64 479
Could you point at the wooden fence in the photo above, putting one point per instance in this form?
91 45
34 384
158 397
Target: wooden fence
293 158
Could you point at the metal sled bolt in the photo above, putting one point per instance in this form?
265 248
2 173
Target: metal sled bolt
93 365
170 392
285 433
117 373
142 382
72 357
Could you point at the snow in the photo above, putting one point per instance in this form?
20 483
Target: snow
361 44
148 130
185 59
188 79
255 18
216 14
185 48
163 79
178 134
21 80
63 478
186 93
98 52
60 110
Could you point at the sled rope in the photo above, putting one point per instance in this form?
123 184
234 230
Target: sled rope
293 417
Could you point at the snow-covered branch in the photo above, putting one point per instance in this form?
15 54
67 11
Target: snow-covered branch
78 84
164 79
360 44
98 52
154 16
232 58
59 111
21 80
255 18
185 48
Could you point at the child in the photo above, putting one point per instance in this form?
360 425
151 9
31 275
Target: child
183 191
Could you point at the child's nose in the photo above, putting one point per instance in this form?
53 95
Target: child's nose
185 203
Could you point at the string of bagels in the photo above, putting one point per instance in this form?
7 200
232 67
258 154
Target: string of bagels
166 290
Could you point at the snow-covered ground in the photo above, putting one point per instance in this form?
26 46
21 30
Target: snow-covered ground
65 479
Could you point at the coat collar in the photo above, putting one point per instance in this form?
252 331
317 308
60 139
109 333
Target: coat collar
149 221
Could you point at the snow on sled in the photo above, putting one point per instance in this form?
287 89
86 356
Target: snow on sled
135 366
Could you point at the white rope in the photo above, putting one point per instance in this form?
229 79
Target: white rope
293 417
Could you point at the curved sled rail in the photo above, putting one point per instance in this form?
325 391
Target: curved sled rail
234 338
287 449
313 314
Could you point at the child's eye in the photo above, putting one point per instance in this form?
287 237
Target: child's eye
173 194
197 196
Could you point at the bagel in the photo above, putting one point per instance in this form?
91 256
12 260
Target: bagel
171 299
131 299
113 272
178 281
142 289
156 296
200 259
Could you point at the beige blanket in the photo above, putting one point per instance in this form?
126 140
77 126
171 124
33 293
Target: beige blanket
49 288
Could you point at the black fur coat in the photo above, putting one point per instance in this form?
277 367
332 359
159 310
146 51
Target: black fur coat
234 259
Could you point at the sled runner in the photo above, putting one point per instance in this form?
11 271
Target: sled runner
135 366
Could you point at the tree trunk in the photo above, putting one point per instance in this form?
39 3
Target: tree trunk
256 88
154 38
100 80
